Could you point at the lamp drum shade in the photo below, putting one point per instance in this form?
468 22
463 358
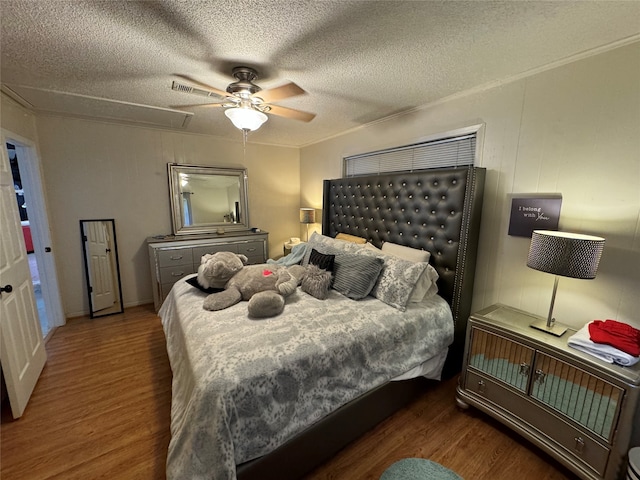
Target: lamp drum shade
566 254
307 215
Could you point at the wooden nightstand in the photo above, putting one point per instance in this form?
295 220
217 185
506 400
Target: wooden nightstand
579 409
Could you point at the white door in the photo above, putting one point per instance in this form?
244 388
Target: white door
30 173
99 263
22 352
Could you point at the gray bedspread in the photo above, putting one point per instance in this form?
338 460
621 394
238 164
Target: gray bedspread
243 387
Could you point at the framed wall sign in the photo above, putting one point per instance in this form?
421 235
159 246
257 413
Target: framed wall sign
534 211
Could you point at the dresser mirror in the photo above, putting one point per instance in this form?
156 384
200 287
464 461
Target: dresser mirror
207 199
101 267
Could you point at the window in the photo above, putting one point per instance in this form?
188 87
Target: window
449 151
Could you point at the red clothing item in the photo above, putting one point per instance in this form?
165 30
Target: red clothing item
617 334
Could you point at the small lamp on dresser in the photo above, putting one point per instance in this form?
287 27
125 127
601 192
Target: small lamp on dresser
563 254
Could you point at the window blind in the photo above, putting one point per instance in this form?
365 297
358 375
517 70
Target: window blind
447 152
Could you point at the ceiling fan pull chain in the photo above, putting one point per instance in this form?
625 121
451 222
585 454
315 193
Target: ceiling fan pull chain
245 132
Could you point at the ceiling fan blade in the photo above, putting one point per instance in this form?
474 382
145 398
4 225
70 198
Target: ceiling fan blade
208 105
217 91
280 93
291 113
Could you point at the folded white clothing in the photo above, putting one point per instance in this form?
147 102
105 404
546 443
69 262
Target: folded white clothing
581 340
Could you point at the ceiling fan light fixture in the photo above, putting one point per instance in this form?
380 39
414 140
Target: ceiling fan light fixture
246 118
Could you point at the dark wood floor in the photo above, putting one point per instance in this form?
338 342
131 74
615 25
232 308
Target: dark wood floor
101 410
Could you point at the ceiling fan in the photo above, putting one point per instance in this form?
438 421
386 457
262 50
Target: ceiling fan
245 102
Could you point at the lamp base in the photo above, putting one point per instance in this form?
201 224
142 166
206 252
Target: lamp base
556 329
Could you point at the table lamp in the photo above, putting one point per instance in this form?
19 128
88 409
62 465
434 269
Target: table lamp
307 215
563 254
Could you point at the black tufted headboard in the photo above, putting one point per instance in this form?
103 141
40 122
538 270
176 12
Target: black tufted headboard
435 210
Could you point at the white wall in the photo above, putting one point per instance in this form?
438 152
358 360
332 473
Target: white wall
573 130
17 119
102 170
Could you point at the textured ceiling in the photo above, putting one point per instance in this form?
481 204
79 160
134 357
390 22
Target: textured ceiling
359 61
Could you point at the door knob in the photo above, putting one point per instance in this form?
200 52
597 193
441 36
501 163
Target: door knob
6 288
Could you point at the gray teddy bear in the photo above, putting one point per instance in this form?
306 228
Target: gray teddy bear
264 286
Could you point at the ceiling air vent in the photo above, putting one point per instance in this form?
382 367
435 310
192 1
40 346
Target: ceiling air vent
181 87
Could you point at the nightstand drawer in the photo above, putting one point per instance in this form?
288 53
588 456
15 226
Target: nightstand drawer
488 389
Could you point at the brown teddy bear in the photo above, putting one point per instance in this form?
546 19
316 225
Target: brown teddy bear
264 286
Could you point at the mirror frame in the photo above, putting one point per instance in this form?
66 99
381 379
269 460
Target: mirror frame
174 171
114 263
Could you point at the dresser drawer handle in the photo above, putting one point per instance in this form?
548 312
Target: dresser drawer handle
252 249
481 386
175 257
579 448
177 274
524 369
540 376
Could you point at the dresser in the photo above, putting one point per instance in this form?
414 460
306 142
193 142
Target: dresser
577 408
172 257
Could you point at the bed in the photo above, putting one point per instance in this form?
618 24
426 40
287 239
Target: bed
274 398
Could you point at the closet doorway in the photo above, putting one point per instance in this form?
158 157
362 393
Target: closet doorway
27 180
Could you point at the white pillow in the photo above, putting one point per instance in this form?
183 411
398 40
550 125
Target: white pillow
426 285
407 253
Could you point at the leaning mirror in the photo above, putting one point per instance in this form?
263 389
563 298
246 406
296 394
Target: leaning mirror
101 267
207 199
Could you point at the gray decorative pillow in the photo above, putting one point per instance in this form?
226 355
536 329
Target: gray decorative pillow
355 275
316 281
397 280
322 243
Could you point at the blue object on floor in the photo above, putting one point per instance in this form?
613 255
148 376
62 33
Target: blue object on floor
418 469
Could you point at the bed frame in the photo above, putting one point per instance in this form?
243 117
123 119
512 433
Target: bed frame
435 210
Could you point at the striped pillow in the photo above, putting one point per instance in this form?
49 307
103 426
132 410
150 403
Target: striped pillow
356 275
